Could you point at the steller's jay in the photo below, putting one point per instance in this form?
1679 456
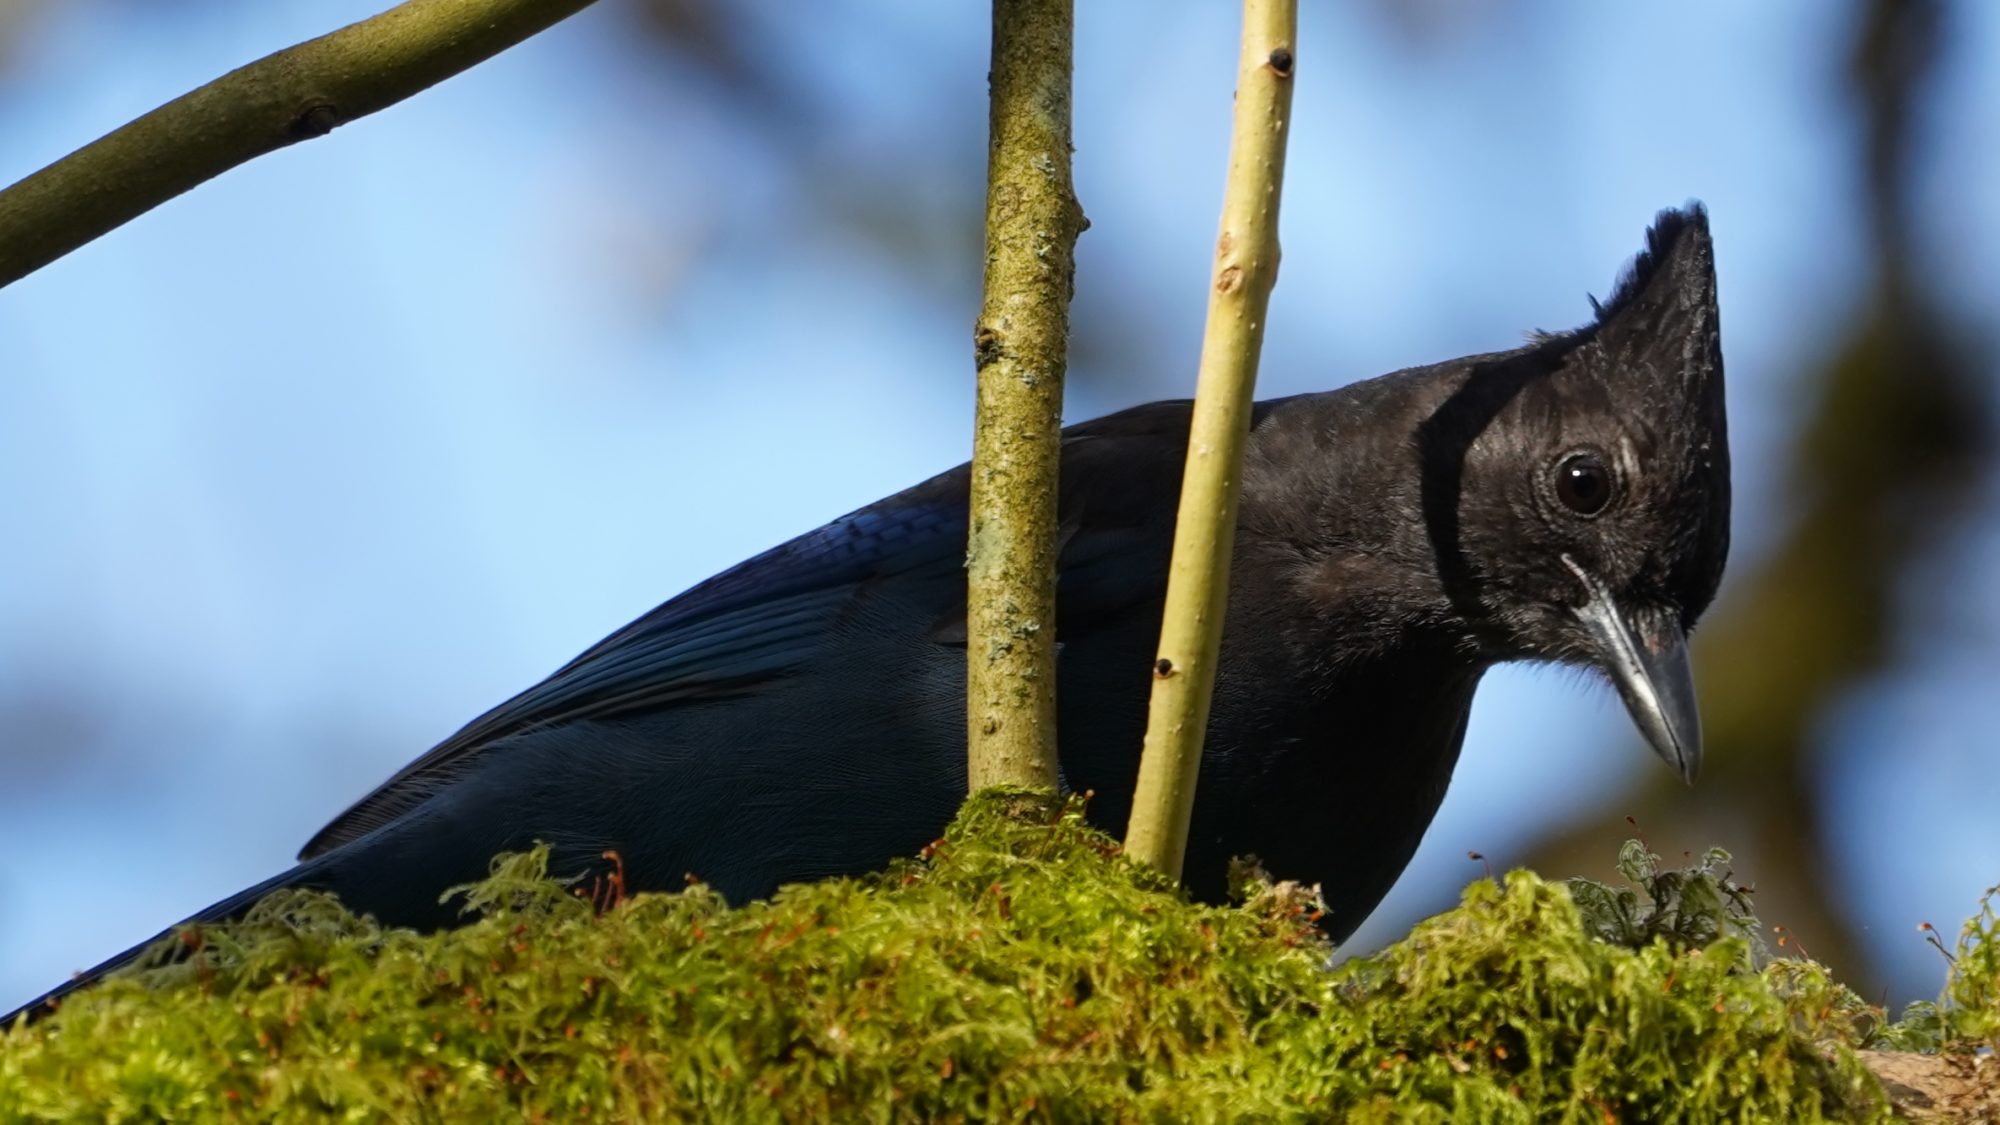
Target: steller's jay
802 715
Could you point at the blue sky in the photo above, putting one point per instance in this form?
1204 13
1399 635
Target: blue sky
307 467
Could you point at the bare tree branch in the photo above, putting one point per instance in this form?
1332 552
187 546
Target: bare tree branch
294 95
1938 1089
1020 345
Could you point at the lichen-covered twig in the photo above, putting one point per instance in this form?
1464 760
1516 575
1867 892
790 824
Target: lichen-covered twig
1019 344
294 95
1246 266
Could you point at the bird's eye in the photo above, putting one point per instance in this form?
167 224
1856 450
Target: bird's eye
1583 484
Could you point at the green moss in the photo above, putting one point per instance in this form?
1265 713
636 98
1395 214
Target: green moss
1022 970
1967 1015
1687 908
1972 997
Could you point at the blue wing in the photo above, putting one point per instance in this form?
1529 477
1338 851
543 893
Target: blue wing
738 630
755 622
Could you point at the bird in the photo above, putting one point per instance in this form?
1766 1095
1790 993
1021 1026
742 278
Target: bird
802 715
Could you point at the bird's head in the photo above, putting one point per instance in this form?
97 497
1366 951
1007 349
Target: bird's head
1577 491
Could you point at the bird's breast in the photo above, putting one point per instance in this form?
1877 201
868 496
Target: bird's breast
1335 787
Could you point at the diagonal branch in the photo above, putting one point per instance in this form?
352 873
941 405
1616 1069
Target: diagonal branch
1246 266
294 95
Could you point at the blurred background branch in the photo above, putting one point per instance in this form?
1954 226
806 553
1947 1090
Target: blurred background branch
281 99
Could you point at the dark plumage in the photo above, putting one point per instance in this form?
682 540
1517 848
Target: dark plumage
802 714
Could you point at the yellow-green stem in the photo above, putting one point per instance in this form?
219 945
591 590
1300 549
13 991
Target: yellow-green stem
1246 266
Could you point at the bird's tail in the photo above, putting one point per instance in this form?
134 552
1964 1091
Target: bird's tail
235 906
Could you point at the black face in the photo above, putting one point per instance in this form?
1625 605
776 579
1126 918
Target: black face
1592 500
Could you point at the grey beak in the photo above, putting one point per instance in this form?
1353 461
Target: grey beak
1645 653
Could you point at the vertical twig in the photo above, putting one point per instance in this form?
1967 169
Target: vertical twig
1020 346
1246 266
